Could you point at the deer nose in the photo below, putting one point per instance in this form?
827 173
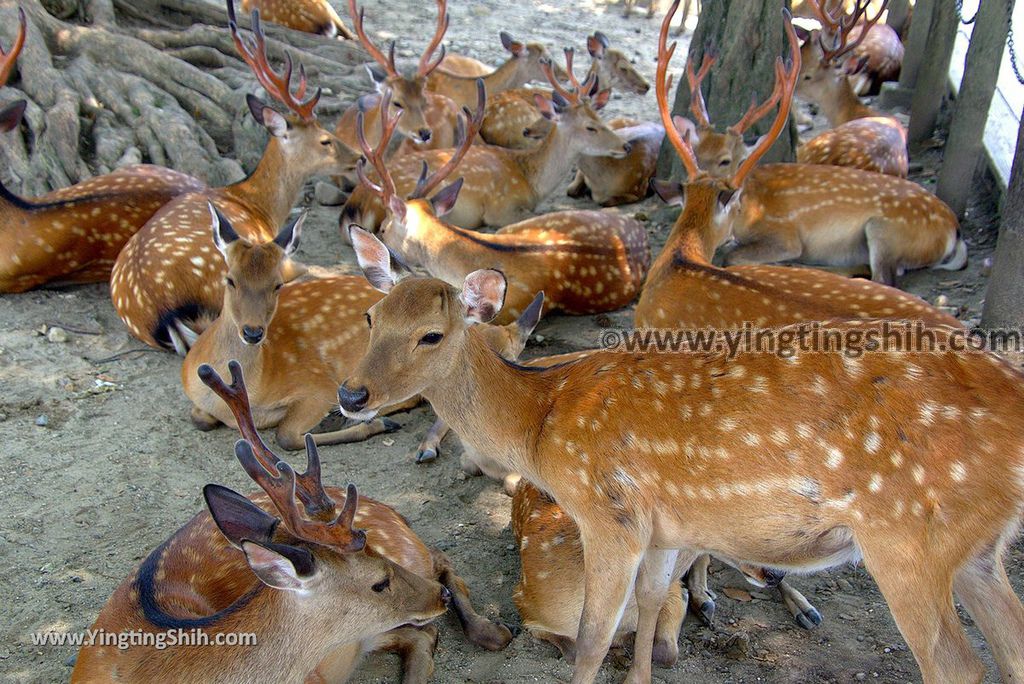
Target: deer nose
252 335
353 400
424 134
446 596
628 147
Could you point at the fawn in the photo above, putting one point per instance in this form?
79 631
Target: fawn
168 282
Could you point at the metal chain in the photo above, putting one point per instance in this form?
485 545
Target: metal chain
960 12
1013 55
959 4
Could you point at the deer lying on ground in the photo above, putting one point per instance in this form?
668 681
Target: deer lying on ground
512 112
921 476
861 137
73 235
168 281
502 185
309 16
586 261
611 182
265 566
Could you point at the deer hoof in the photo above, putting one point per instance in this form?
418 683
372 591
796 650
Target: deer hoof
706 612
426 455
809 619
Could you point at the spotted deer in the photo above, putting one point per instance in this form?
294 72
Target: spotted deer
428 120
611 182
73 235
512 118
502 185
860 137
586 261
264 566
168 282
308 16
921 475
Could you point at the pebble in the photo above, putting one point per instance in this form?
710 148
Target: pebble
42 420
328 194
844 584
860 676
986 267
58 335
942 300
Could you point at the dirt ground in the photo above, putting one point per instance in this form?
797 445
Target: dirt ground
102 463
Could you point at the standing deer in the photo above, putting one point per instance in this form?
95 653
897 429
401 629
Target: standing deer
264 566
168 282
586 261
73 235
861 137
309 16
502 185
512 112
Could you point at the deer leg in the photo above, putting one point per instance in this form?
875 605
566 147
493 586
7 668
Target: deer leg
654 577
293 427
566 645
806 615
578 187
883 262
986 593
338 665
670 621
415 646
610 569
478 629
764 251
919 590
702 599
427 450
203 420
511 483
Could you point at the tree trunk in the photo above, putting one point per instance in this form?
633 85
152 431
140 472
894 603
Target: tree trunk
964 143
932 80
118 91
1004 300
916 42
899 11
749 36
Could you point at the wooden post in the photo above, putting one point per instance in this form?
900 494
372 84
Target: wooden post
932 79
749 36
964 144
916 42
1004 300
899 10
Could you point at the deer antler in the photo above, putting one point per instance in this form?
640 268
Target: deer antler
785 83
8 59
309 487
425 67
697 106
278 86
389 123
357 22
662 83
567 96
841 28
465 135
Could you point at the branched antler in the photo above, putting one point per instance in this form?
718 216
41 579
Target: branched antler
9 58
839 29
662 83
694 80
465 134
388 124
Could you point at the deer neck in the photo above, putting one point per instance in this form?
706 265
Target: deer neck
444 250
692 236
545 166
272 188
508 75
844 105
222 344
493 405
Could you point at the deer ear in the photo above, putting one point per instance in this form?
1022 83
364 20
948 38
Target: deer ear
854 66
546 107
595 46
512 45
377 75
380 265
223 232
601 99
444 201
10 117
237 517
669 192
288 238
483 294
279 566
397 207
528 320
268 118
686 127
801 33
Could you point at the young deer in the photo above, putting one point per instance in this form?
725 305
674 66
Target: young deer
74 234
168 282
586 261
502 185
611 182
924 481
512 112
428 120
264 566
861 137
309 16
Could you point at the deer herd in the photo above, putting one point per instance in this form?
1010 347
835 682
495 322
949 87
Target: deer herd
628 471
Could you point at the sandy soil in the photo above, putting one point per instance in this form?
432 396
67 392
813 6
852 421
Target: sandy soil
102 464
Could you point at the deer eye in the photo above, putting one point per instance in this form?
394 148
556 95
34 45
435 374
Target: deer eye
431 338
397 105
382 585
230 282
591 129
369 323
325 142
725 162
277 288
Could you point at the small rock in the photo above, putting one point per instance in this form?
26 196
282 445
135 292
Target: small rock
738 646
844 584
846 616
510 547
942 300
42 420
388 442
58 335
986 267
328 194
641 216
539 338
860 676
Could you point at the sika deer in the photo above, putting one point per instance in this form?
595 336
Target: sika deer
611 182
74 234
586 261
501 185
924 481
309 16
861 137
877 44
168 282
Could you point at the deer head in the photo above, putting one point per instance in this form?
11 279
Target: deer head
528 59
256 274
612 66
306 146
826 54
